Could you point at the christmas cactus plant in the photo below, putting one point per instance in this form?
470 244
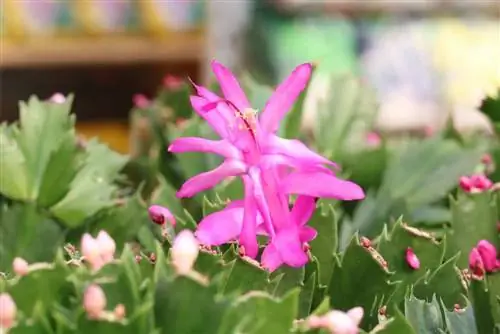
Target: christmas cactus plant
269 237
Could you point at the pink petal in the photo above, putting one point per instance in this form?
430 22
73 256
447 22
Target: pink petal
271 259
220 227
303 209
319 184
230 86
294 149
277 202
476 262
209 179
195 144
212 117
160 215
307 233
248 236
290 248
488 255
284 97
412 259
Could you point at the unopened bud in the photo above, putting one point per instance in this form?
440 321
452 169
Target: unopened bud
94 301
57 98
338 322
365 242
8 311
160 215
91 251
184 252
107 246
141 101
412 259
119 312
20 266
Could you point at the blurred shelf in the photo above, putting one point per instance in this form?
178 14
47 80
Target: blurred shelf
54 52
113 133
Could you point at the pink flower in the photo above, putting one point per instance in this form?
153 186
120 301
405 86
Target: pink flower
338 322
483 258
172 82
141 101
412 259
161 215
8 311
475 183
94 301
373 139
20 266
251 149
99 251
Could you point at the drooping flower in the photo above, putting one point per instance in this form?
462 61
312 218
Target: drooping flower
251 149
338 322
98 251
184 252
94 301
412 259
8 311
483 258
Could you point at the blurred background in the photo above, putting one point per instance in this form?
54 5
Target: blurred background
423 58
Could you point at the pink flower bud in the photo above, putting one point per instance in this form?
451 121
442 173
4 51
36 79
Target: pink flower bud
373 139
107 246
465 183
412 259
481 182
172 82
338 322
91 251
486 159
160 215
488 254
141 101
94 301
476 264
57 98
184 252
119 311
8 311
20 266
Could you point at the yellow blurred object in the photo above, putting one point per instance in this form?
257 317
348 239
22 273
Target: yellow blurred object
12 20
100 17
113 133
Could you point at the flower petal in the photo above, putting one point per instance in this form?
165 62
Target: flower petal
303 209
212 117
284 97
290 248
271 259
220 227
248 236
230 86
195 144
209 179
319 184
277 201
307 234
295 149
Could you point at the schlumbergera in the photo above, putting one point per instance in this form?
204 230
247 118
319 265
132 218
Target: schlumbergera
272 169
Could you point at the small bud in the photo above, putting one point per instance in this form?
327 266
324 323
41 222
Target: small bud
373 139
365 242
152 257
20 266
141 101
184 252
488 255
457 308
57 98
107 246
119 311
465 183
241 251
412 259
160 215
8 311
138 258
94 301
486 159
